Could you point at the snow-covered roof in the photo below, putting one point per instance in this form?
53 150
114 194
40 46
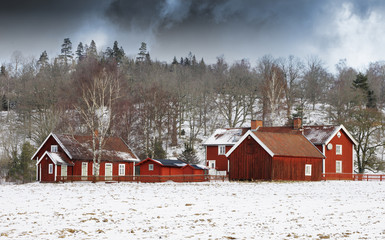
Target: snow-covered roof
225 136
57 158
199 166
319 135
78 147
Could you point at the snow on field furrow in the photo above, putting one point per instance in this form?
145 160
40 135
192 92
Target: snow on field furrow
265 210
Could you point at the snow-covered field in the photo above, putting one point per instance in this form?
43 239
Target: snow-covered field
218 210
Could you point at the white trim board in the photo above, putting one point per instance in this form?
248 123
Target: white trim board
250 133
345 130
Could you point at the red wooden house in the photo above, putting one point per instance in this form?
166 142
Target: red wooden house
160 170
260 155
217 145
63 157
337 144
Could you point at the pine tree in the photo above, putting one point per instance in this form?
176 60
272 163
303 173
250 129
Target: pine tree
92 51
159 152
66 50
21 167
4 103
174 61
189 155
142 55
361 84
80 51
43 59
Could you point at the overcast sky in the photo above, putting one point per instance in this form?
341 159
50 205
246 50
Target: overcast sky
235 29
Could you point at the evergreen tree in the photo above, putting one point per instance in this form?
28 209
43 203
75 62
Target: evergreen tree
80 51
66 50
21 167
361 84
174 61
189 155
159 152
143 54
92 51
43 59
4 103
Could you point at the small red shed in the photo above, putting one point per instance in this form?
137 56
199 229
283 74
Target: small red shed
160 170
69 157
274 156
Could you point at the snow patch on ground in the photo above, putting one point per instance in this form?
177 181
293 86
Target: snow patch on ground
217 210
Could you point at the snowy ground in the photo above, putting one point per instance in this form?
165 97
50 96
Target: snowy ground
221 210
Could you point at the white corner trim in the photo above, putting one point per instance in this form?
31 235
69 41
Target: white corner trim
347 133
58 141
250 133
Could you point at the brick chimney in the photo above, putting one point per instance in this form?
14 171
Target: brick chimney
297 123
255 124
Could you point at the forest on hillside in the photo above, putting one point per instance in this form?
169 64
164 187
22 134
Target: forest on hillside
155 105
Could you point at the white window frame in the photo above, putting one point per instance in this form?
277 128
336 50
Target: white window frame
212 164
307 169
50 168
338 149
151 167
63 170
122 169
84 173
54 148
221 149
338 166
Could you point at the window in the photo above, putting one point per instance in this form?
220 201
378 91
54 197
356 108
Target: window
221 149
338 166
339 149
50 168
150 167
122 169
308 170
212 164
64 170
53 148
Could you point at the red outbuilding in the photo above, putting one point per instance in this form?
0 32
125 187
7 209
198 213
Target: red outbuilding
274 155
161 170
70 157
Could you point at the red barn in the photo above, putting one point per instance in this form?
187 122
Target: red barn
274 156
160 170
62 157
337 144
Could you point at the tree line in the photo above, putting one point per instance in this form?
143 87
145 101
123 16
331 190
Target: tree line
156 106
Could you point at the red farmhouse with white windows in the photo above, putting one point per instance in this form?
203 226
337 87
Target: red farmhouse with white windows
335 142
62 157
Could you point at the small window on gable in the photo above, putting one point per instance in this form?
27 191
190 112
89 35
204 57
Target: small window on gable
338 166
54 148
122 169
50 168
308 170
221 149
339 149
150 167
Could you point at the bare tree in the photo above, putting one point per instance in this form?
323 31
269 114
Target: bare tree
99 93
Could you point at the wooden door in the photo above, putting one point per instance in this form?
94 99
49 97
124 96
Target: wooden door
84 170
108 171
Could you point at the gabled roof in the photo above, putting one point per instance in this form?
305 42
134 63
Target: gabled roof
282 144
57 158
225 136
80 148
319 135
